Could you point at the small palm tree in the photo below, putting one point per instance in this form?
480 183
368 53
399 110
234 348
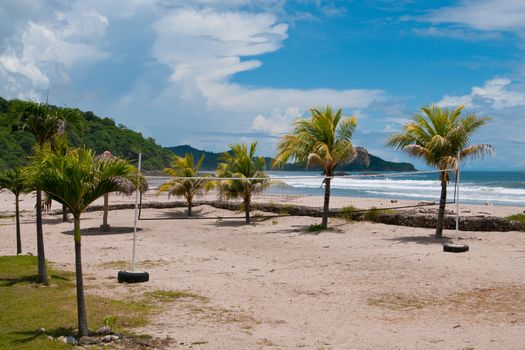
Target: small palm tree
77 179
13 181
241 163
438 136
45 124
126 189
324 139
185 185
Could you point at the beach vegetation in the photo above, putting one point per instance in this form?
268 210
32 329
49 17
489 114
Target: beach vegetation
185 169
77 179
439 136
125 188
315 228
519 218
325 140
13 181
47 125
30 313
349 212
246 175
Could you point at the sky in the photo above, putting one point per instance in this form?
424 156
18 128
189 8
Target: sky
210 73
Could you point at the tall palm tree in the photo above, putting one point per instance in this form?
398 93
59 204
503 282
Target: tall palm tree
45 124
185 185
247 170
438 136
324 139
13 181
76 179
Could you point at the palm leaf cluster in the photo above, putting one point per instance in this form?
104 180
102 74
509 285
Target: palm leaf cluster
77 179
185 184
324 139
438 135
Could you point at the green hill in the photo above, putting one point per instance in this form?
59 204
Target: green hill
99 134
376 164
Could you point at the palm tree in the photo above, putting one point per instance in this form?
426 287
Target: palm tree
248 173
185 185
13 181
324 139
45 124
76 179
438 136
126 189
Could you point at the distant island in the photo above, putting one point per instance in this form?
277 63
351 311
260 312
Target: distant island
103 134
376 164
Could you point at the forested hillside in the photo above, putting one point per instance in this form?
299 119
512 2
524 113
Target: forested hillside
100 134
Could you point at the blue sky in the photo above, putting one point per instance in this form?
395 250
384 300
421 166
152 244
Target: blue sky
211 73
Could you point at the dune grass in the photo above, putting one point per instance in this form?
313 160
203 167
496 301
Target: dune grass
518 217
26 307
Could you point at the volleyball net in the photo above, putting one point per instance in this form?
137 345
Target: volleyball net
276 194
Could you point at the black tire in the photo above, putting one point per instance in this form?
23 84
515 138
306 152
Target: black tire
132 277
455 248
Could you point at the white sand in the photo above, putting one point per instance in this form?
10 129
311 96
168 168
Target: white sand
271 285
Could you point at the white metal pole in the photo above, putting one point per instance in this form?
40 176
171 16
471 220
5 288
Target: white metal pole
135 220
457 197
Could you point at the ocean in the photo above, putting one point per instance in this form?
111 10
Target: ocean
476 187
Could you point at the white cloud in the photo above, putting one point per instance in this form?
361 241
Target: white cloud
495 93
44 51
205 48
279 122
499 15
456 33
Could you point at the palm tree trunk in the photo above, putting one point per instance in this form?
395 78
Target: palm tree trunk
18 238
247 209
326 205
105 226
189 207
441 212
42 273
64 213
81 306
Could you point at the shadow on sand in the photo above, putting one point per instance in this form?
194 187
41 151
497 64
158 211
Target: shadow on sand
425 240
96 231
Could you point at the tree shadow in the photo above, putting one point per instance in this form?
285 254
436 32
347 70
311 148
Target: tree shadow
425 240
51 220
33 279
96 231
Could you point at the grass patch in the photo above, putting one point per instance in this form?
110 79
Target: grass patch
168 296
398 302
348 213
315 228
374 213
26 307
519 218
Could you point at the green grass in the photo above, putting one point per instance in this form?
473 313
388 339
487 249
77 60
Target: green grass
348 212
26 306
170 296
518 217
373 213
315 228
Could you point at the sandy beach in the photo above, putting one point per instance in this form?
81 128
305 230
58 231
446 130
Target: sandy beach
272 284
